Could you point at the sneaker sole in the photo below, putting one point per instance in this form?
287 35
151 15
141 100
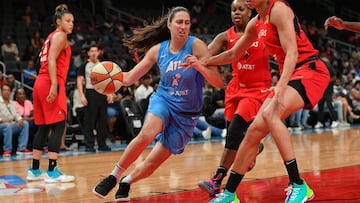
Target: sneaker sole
310 198
123 199
98 194
206 189
34 179
47 180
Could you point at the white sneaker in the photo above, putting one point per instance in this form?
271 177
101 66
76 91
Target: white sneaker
56 176
344 124
335 124
202 118
319 125
33 175
223 133
206 133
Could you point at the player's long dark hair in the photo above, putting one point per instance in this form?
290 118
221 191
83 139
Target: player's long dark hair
149 35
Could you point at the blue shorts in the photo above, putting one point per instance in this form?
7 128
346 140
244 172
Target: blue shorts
111 112
178 128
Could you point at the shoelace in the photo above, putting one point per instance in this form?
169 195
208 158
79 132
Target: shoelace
60 172
291 192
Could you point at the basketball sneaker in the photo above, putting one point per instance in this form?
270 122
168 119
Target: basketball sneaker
252 165
34 174
298 193
105 186
56 176
211 186
122 194
225 197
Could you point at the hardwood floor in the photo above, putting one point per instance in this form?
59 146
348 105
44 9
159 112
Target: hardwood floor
316 152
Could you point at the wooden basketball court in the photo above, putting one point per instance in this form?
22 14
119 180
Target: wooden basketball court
328 159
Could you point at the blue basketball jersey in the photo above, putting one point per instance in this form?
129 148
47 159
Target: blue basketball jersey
183 90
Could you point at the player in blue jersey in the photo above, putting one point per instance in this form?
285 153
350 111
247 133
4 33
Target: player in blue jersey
174 108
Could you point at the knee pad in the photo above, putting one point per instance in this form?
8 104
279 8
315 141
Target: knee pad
40 137
236 132
54 141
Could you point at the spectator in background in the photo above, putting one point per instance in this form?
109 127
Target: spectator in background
15 124
207 130
79 57
29 53
2 79
113 114
26 109
30 74
9 50
37 41
10 80
145 89
122 60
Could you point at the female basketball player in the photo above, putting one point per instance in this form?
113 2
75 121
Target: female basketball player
245 93
303 80
174 108
50 107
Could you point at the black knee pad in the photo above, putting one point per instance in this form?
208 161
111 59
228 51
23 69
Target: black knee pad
236 132
54 141
40 137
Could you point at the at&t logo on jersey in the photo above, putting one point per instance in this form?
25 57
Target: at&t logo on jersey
176 79
245 66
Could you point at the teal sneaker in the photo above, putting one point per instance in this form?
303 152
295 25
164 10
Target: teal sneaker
298 193
56 176
34 174
225 197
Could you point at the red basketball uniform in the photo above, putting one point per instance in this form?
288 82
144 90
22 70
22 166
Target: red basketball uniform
251 77
45 112
312 72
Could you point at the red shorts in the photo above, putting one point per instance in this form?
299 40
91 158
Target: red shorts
44 112
315 81
244 101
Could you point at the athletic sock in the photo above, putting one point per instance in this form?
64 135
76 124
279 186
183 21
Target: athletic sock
35 164
293 172
52 164
234 181
127 179
117 171
220 174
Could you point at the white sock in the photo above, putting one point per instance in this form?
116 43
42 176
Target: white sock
127 179
117 171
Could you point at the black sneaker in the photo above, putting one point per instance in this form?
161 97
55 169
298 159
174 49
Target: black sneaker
122 194
252 165
104 149
105 186
89 149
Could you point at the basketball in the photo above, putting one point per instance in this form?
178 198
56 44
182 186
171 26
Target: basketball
106 77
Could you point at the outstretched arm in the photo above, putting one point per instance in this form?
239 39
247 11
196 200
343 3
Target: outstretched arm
210 73
142 67
340 24
238 49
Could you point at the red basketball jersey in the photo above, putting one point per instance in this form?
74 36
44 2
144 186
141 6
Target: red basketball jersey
267 33
62 62
253 66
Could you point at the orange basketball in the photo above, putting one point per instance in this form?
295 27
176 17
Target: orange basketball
106 77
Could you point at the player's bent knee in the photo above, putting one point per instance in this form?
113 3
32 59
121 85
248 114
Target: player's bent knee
236 132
